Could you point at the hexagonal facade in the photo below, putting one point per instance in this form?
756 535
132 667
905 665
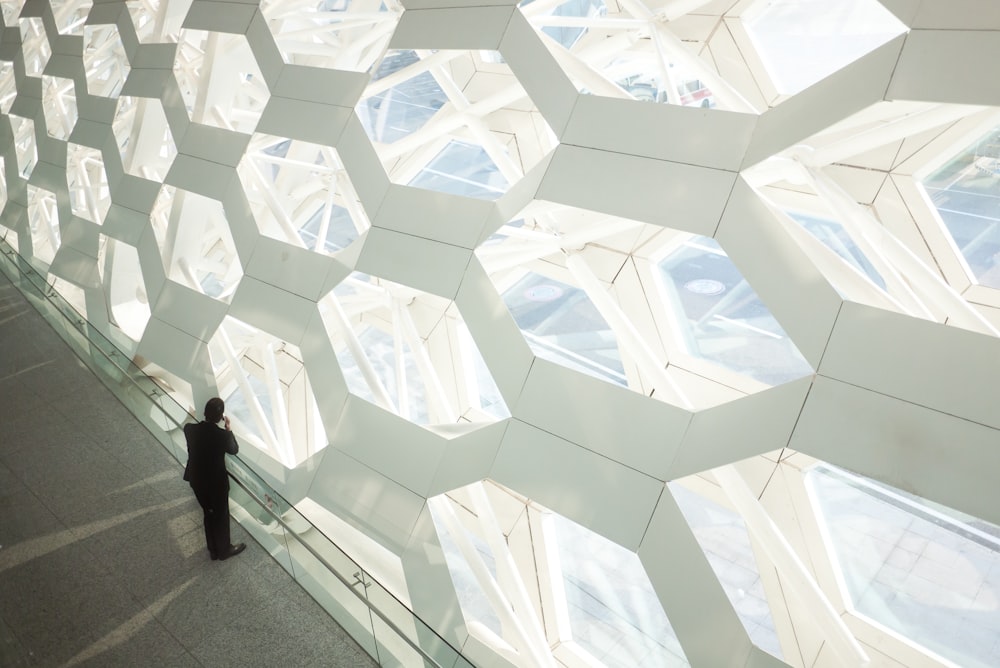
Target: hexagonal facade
411 244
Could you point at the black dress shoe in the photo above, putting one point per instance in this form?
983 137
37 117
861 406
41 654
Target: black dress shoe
232 551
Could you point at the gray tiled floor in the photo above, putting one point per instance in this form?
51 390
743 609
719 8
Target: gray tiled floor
102 557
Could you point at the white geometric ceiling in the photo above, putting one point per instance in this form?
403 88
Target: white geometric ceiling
555 315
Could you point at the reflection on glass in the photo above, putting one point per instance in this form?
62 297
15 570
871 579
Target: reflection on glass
613 611
404 108
925 571
835 237
724 539
462 169
562 325
803 41
966 193
723 319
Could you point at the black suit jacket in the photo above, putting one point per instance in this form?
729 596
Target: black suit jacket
207 446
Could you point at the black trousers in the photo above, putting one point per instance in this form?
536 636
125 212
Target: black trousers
216 508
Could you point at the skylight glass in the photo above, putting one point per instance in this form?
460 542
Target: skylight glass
966 193
925 571
462 169
404 108
803 41
721 317
562 325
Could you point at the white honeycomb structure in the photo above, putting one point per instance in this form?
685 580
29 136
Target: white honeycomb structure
602 332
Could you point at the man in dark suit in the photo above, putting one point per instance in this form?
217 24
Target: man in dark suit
208 442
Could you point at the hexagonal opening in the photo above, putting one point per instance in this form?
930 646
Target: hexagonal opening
59 106
410 353
89 194
8 86
121 275
24 144
344 35
601 607
301 194
104 61
721 317
457 122
35 46
237 95
158 22
143 136
267 392
70 15
925 571
43 219
195 243
964 191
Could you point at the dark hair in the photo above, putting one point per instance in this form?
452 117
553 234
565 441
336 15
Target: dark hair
214 410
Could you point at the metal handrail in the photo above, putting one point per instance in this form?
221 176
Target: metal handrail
49 294
343 580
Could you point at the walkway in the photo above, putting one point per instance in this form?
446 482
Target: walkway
102 555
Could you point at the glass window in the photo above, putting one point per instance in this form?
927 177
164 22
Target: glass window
562 325
835 237
966 194
925 571
462 169
404 108
722 318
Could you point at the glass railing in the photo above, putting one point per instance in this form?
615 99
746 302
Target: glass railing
382 624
